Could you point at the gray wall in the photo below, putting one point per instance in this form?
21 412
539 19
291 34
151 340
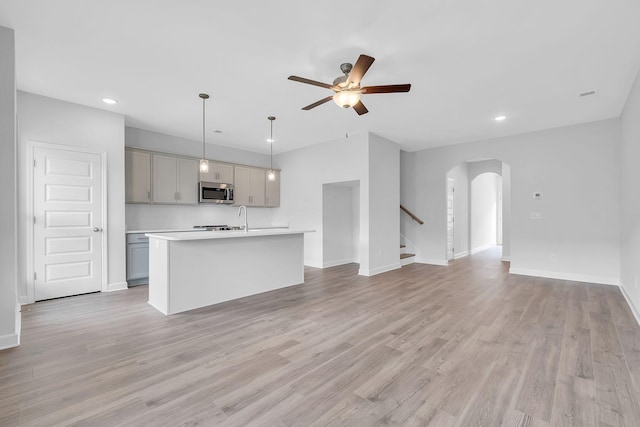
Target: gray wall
9 308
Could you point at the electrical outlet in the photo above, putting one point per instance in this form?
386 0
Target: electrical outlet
553 257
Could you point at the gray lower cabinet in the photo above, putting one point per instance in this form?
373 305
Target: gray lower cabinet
137 259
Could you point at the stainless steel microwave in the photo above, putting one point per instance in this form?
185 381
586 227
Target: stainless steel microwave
215 192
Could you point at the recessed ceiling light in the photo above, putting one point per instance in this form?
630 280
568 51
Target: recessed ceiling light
109 101
499 118
217 131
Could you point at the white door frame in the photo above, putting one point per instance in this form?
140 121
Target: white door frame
453 218
29 264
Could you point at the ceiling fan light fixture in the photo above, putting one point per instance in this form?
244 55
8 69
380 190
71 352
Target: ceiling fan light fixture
346 98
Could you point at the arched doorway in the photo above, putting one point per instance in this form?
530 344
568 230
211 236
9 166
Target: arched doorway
478 207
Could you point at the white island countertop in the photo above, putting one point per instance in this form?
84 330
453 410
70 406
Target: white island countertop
206 235
193 269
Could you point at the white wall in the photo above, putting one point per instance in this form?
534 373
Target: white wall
630 186
153 141
355 221
9 307
384 205
364 158
167 217
305 171
337 221
484 210
576 168
460 173
506 212
50 120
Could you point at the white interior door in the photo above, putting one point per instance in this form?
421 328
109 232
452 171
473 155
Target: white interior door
67 206
450 217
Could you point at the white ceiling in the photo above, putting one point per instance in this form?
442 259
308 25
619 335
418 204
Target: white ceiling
467 61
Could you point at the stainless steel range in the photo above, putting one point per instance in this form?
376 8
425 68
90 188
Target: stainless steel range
217 227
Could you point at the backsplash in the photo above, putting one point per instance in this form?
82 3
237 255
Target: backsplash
149 217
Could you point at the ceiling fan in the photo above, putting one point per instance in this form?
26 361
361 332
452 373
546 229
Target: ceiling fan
347 88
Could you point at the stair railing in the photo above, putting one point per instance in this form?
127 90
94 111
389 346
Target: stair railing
412 215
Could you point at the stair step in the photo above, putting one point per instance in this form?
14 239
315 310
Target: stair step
403 256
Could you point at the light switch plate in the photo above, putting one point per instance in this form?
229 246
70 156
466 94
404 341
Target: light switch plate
535 215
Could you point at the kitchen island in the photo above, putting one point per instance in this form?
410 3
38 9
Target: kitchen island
189 270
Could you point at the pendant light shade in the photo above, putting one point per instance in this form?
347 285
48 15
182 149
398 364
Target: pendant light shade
204 163
271 175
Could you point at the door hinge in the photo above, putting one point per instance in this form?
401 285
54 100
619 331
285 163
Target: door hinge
34 163
35 275
34 219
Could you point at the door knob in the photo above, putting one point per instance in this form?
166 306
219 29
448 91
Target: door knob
97 229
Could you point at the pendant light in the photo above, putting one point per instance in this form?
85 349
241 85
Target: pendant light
204 163
271 175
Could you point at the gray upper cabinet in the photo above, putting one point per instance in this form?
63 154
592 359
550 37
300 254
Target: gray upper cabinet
137 176
249 186
175 180
167 179
218 172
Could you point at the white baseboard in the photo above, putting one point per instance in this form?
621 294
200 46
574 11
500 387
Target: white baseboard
602 280
482 248
9 341
442 262
118 286
626 296
313 264
506 259
374 271
327 264
460 255
13 340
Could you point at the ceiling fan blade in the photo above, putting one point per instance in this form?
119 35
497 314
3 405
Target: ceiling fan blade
386 89
315 104
360 108
358 70
310 82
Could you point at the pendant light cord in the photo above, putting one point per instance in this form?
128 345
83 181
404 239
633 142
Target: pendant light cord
203 118
271 146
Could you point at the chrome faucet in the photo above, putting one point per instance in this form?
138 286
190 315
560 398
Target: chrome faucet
246 224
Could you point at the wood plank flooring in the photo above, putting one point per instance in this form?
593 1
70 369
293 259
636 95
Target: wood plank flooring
464 345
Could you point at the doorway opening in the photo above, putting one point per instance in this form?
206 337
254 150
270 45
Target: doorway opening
478 208
340 223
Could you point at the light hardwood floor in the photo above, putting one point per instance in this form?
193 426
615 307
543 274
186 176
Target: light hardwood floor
462 345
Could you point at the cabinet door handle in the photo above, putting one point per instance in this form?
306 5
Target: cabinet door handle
148 195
